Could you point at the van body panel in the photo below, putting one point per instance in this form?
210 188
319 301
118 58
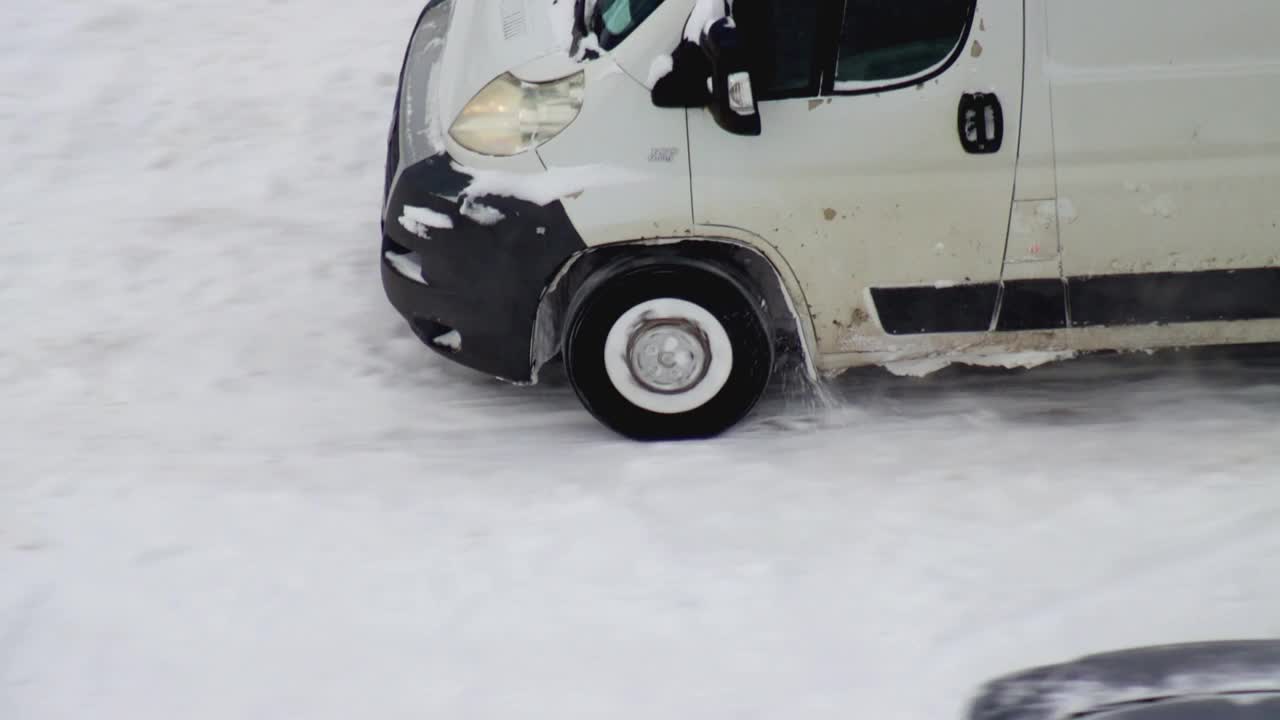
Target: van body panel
1033 250
1134 203
1037 178
873 189
1168 147
635 157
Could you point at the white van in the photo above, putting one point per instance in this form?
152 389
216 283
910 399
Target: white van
680 195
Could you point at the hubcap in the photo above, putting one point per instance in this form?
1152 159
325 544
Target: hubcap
668 356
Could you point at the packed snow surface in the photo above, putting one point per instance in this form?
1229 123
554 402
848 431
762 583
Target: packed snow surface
234 485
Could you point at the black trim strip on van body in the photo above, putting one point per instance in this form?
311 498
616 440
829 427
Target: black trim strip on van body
1081 302
1033 305
927 310
1169 298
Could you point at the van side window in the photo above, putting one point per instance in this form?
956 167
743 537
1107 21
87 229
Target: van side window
898 39
785 33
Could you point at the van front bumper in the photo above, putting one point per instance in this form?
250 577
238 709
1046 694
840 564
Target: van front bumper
482 281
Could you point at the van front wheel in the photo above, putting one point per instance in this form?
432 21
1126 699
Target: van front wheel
669 352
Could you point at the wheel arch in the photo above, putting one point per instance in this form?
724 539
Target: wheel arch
778 292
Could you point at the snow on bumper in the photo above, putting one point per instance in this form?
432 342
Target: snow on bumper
479 275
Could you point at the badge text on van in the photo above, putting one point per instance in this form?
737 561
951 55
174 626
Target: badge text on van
663 154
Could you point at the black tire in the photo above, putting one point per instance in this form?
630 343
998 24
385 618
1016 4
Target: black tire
599 307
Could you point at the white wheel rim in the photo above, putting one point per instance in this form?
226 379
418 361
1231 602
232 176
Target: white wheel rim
668 356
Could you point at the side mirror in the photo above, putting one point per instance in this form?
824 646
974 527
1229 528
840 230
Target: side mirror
733 102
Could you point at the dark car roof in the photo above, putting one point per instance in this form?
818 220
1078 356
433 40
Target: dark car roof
1099 681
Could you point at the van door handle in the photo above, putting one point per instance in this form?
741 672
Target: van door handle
981 123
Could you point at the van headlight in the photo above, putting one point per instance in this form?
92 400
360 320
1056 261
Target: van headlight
510 116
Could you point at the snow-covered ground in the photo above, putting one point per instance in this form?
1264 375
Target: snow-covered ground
232 485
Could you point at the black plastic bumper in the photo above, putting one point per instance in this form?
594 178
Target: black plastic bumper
483 281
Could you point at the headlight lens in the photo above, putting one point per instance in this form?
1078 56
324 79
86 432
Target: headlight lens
510 116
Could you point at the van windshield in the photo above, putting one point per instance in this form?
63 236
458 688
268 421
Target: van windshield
614 20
